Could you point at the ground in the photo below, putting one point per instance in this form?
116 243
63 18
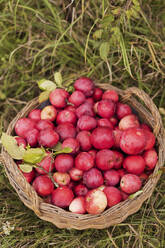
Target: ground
119 42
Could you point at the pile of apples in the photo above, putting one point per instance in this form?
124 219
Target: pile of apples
112 152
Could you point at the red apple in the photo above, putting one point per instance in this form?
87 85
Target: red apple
80 190
44 124
77 98
95 201
72 143
117 133
130 183
48 138
23 125
66 130
134 164
75 174
111 177
62 196
35 114
118 159
66 116
150 158
93 178
63 162
58 98
84 161
133 141
111 95
106 108
84 140
32 137
85 85
103 122
105 159
129 121
113 196
43 185
102 138
61 178
85 109
86 122
97 95
49 113
78 205
150 140
122 110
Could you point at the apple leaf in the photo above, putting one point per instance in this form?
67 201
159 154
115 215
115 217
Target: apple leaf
58 78
44 96
26 167
107 20
34 155
58 147
104 50
135 194
45 84
65 150
11 146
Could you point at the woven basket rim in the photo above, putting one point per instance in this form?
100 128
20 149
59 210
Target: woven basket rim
65 219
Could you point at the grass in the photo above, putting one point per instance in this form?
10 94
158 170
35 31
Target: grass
41 37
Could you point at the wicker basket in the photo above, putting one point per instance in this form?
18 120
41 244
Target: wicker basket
64 219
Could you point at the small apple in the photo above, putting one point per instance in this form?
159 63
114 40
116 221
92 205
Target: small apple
61 178
130 183
95 201
63 162
78 205
48 138
75 174
62 196
43 185
49 113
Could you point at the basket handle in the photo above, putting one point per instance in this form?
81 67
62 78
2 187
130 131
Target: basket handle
149 104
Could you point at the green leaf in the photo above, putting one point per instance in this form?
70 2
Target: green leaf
26 167
58 78
43 96
45 84
65 150
107 20
104 50
97 34
135 194
58 147
11 146
34 155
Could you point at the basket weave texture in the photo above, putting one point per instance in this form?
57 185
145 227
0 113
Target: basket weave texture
114 215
